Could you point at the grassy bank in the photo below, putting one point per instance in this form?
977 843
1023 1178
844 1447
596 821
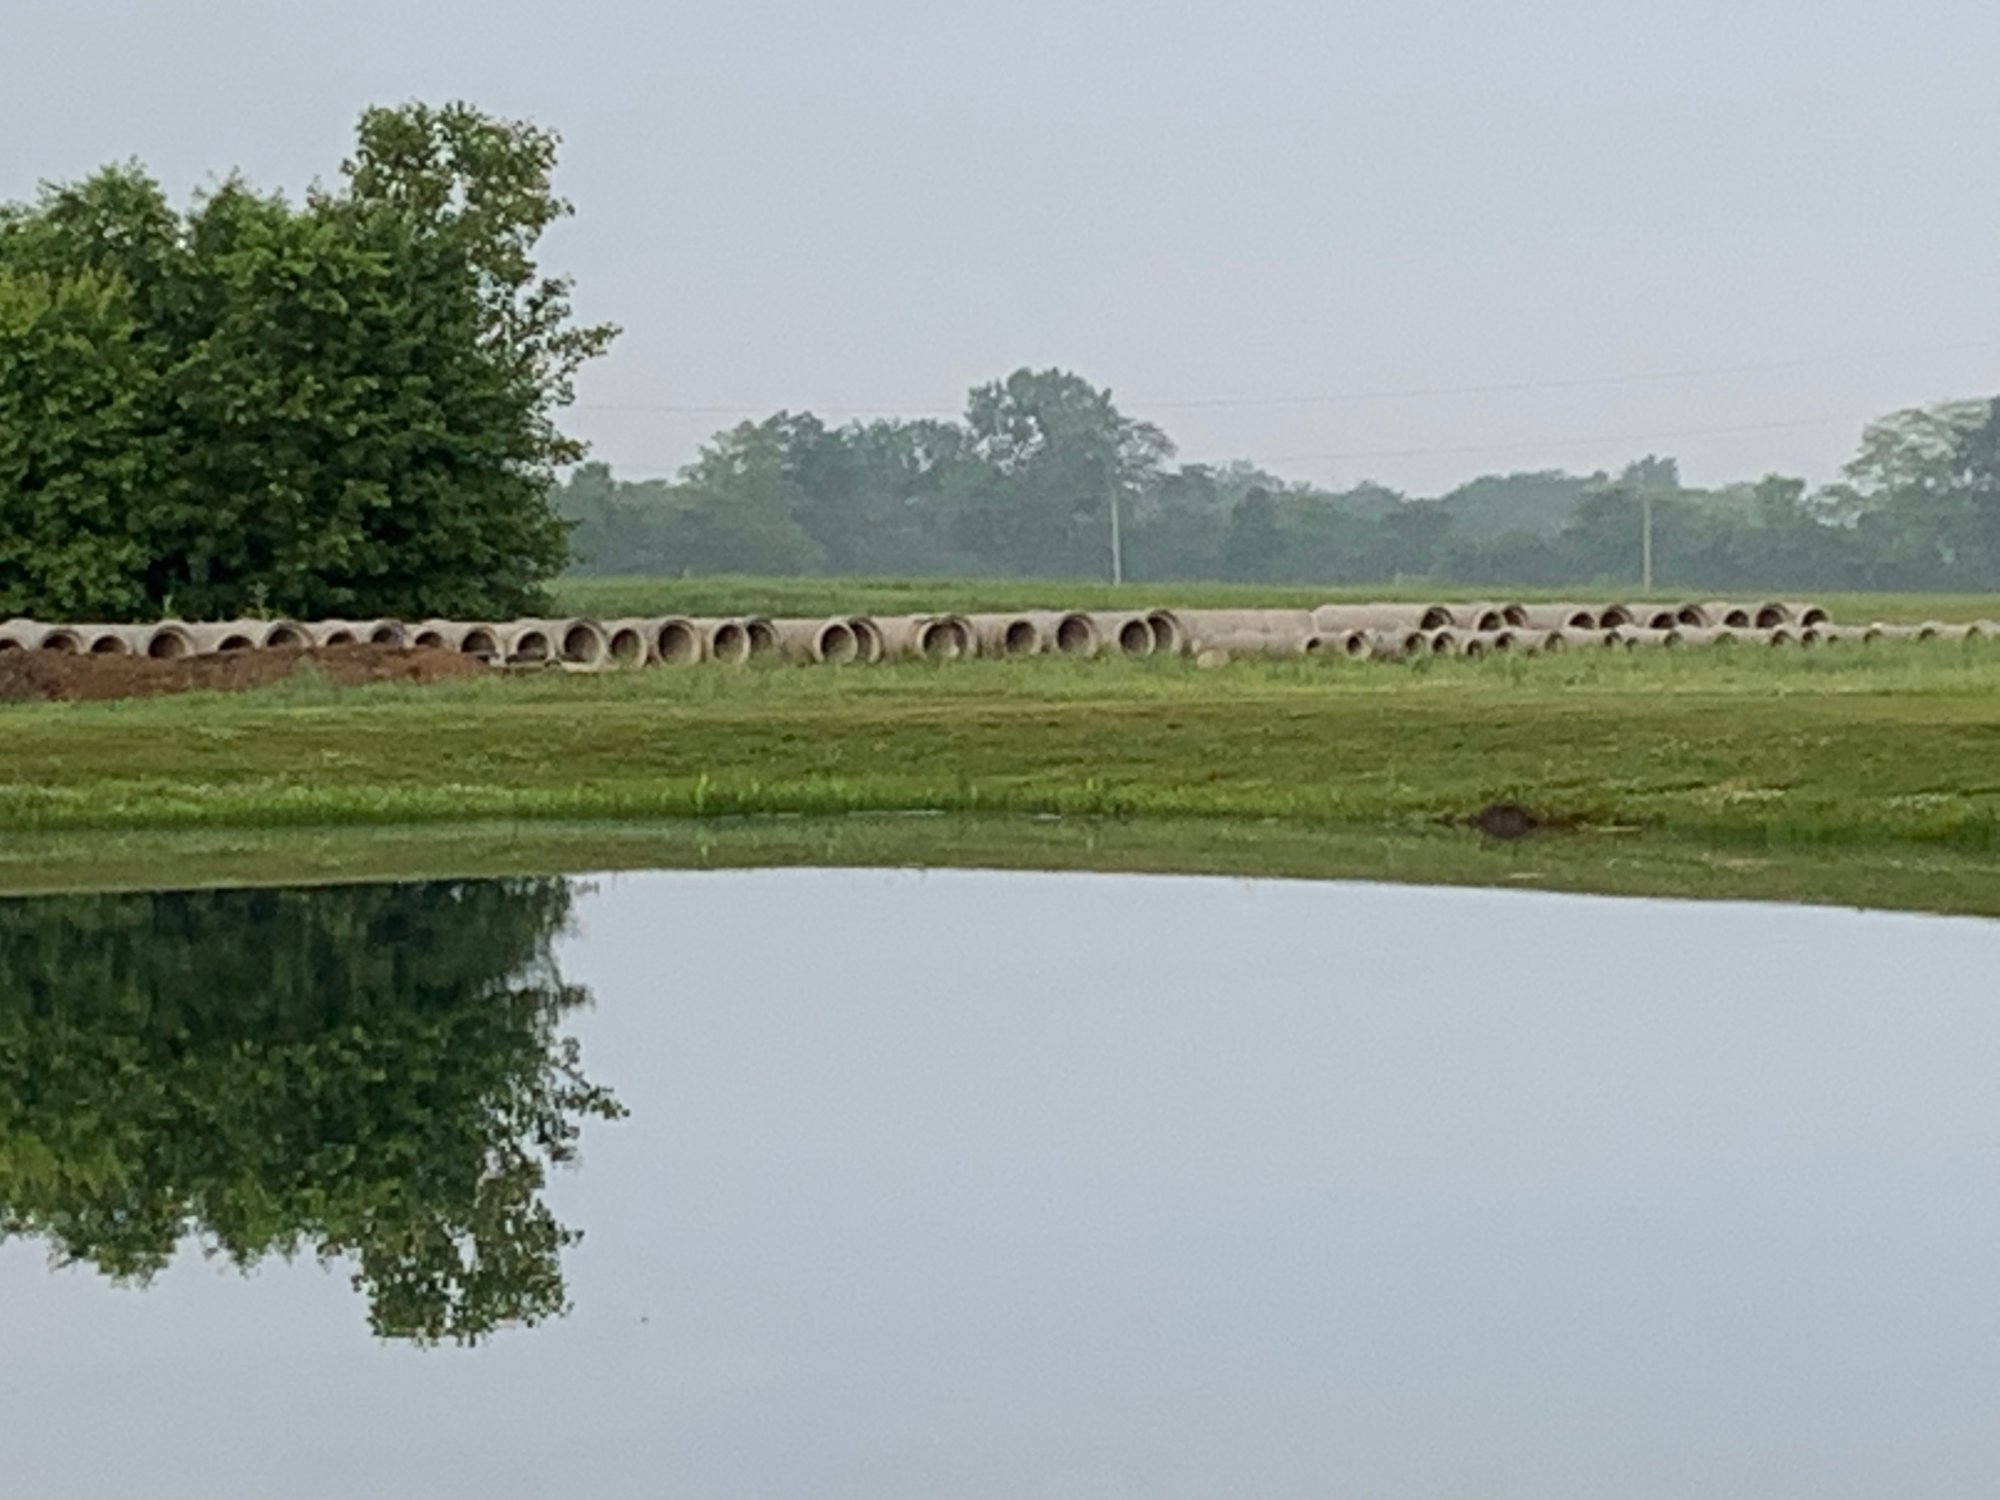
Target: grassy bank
609 597
1610 863
1888 753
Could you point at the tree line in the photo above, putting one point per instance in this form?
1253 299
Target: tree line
1027 484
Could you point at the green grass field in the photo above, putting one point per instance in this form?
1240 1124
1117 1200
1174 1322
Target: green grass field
612 597
1838 763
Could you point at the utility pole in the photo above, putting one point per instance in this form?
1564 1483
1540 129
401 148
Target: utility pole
1646 542
1117 541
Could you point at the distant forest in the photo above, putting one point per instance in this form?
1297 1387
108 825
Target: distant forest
1025 484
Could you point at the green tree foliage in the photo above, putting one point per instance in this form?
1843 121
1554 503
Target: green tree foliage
345 406
1047 456
373 1074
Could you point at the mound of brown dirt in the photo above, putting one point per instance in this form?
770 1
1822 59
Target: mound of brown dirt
47 676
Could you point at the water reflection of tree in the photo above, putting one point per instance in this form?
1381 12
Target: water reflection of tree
374 1073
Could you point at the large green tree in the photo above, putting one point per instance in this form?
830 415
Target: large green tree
345 405
370 1074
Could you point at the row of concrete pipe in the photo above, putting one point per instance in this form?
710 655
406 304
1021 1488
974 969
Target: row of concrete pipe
1351 630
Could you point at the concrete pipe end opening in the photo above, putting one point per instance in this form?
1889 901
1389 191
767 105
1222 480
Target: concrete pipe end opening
60 641
1020 638
1168 636
868 640
1613 615
235 641
1472 647
761 635
1515 615
627 647
286 633
108 643
1771 616
729 642
1435 617
1443 643
1135 638
584 643
676 642
481 641
835 642
1692 615
169 643
1076 635
531 647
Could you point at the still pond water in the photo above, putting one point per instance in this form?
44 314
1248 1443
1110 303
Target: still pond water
993 1185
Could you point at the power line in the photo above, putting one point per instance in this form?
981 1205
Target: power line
1474 450
1407 393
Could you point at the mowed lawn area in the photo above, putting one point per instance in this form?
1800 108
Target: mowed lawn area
1864 747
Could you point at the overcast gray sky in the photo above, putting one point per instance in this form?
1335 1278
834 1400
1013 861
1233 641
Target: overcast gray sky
1212 208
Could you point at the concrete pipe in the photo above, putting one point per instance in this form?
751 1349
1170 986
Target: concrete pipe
167 641
1475 647
1648 635
868 643
1582 638
1722 615
926 637
1352 644
14 634
1805 612
223 637
1329 618
1770 615
105 640
284 633
484 640
1612 616
1645 616
1709 635
1170 635
1443 643
724 641
1780 635
1006 635
628 643
1850 635
1201 624
1122 633
763 637
437 635
360 632
1561 617
676 641
1260 643
1547 642
573 640
1391 644
817 641
57 640
1487 615
1069 633
1983 629
1694 615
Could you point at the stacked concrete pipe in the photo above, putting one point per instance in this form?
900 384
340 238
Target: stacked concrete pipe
1001 635
927 637
817 641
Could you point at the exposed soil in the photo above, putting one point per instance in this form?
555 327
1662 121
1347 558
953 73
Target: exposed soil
1505 820
48 676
